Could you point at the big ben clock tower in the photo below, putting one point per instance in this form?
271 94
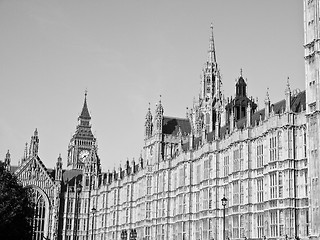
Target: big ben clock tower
82 140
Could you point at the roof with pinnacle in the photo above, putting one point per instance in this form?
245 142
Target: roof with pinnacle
298 104
85 112
171 125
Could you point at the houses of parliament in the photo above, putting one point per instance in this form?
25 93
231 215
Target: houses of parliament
264 161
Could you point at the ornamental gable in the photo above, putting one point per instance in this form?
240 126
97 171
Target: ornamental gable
33 173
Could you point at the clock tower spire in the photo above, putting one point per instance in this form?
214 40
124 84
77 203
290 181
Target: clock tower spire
82 140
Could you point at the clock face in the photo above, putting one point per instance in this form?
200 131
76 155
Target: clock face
83 154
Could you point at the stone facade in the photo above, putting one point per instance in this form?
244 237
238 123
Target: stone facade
264 161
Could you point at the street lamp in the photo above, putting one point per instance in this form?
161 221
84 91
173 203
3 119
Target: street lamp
224 203
133 234
93 213
124 234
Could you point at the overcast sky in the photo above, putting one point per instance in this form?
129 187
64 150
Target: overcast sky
127 53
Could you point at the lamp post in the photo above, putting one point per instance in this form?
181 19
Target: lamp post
224 203
93 213
133 234
124 235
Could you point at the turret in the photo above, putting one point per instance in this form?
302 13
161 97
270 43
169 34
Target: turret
288 96
25 154
241 86
34 144
267 105
58 169
217 126
7 161
231 120
148 124
249 114
158 118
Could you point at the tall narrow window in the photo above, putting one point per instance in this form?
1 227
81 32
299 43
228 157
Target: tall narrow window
206 169
226 166
149 182
259 155
280 185
197 195
235 226
198 174
39 215
274 223
260 190
260 222
273 149
235 189
205 198
273 185
241 193
290 143
236 160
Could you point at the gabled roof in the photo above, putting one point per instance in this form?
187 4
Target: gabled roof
69 176
171 125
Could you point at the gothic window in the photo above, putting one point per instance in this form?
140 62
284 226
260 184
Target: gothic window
260 190
184 231
128 193
127 215
149 181
205 199
197 195
273 185
260 221
235 226
115 197
148 210
273 149
206 169
290 142
39 215
226 166
147 233
241 193
236 160
210 198
235 186
274 223
259 155
305 144
280 181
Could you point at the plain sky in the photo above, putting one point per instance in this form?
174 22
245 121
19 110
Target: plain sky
127 53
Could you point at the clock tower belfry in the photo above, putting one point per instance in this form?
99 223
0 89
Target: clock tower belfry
82 140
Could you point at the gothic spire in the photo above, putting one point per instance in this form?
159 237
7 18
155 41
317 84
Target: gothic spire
212 50
85 112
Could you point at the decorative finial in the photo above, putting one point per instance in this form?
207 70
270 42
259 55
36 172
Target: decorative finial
267 95
149 106
240 72
212 53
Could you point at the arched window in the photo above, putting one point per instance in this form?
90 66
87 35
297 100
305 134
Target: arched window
39 215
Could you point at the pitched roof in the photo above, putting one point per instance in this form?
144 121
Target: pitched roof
69 176
85 112
298 104
171 125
